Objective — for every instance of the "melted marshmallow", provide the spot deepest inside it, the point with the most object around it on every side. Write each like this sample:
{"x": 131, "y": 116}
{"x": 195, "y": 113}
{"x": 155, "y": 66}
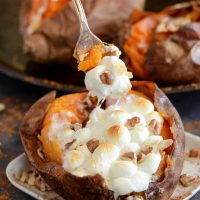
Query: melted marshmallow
{"x": 120, "y": 79}
{"x": 114, "y": 137}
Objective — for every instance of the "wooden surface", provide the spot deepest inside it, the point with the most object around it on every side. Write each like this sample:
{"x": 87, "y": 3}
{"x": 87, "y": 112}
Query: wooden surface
{"x": 18, "y": 96}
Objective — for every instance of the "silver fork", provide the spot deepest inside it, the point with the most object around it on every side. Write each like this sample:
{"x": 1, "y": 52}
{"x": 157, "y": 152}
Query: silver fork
{"x": 86, "y": 38}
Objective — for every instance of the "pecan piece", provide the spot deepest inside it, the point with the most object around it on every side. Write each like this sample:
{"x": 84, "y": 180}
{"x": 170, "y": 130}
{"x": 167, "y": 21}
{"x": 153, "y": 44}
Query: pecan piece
{"x": 139, "y": 156}
{"x": 69, "y": 144}
{"x": 153, "y": 124}
{"x": 92, "y": 145}
{"x": 194, "y": 153}
{"x": 110, "y": 53}
{"x": 187, "y": 180}
{"x": 147, "y": 150}
{"x": 133, "y": 121}
{"x": 129, "y": 155}
{"x": 106, "y": 78}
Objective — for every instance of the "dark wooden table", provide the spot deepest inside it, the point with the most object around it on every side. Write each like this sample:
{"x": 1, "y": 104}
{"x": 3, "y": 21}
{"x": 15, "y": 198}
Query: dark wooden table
{"x": 18, "y": 96}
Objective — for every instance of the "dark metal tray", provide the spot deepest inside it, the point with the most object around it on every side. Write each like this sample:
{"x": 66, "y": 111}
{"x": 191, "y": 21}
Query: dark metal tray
{"x": 61, "y": 77}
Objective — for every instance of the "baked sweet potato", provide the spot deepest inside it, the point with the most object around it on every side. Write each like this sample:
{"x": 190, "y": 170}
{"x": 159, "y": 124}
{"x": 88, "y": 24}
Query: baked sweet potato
{"x": 50, "y": 29}
{"x": 164, "y": 46}
{"x": 92, "y": 187}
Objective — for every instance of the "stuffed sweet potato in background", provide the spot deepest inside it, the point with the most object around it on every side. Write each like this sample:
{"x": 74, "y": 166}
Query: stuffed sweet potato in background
{"x": 164, "y": 46}
{"x": 91, "y": 187}
{"x": 50, "y": 28}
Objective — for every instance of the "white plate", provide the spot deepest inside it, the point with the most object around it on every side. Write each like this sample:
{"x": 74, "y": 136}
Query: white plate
{"x": 19, "y": 164}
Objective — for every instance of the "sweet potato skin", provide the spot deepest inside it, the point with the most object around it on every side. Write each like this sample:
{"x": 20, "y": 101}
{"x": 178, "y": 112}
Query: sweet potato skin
{"x": 92, "y": 187}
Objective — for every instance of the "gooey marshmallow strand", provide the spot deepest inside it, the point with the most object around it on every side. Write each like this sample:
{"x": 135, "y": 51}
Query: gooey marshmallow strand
{"x": 109, "y": 127}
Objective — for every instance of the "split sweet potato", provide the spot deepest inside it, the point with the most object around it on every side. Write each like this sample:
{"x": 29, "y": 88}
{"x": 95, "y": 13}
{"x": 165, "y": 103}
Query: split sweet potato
{"x": 54, "y": 32}
{"x": 92, "y": 187}
{"x": 164, "y": 46}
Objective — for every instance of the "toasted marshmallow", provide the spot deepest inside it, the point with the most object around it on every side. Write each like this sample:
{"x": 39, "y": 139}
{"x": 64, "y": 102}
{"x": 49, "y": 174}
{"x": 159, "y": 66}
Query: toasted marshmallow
{"x": 112, "y": 48}
{"x": 80, "y": 172}
{"x": 122, "y": 185}
{"x": 142, "y": 105}
{"x": 122, "y": 168}
{"x": 150, "y": 163}
{"x": 140, "y": 181}
{"x": 82, "y": 135}
{"x": 155, "y": 116}
{"x": 116, "y": 117}
{"x": 64, "y": 136}
{"x": 152, "y": 141}
{"x": 106, "y": 152}
{"x": 73, "y": 159}
{"x": 120, "y": 79}
{"x": 139, "y": 134}
{"x": 131, "y": 147}
{"x": 84, "y": 149}
{"x": 118, "y": 135}
{"x": 97, "y": 166}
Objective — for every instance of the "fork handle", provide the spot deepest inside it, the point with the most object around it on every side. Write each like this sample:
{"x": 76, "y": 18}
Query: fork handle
{"x": 81, "y": 15}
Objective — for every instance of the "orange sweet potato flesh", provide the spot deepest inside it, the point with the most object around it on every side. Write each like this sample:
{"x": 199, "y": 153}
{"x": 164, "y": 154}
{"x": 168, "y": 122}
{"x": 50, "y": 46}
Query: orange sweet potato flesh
{"x": 93, "y": 187}
{"x": 51, "y": 8}
{"x": 93, "y": 58}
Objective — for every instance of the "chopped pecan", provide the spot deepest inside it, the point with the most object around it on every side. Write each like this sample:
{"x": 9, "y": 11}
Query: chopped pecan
{"x": 106, "y": 78}
{"x": 187, "y": 180}
{"x": 69, "y": 144}
{"x": 137, "y": 197}
{"x": 92, "y": 145}
{"x": 153, "y": 124}
{"x": 110, "y": 53}
{"x": 194, "y": 153}
{"x": 129, "y": 155}
{"x": 133, "y": 121}
{"x": 139, "y": 156}
{"x": 147, "y": 150}
{"x": 2, "y": 107}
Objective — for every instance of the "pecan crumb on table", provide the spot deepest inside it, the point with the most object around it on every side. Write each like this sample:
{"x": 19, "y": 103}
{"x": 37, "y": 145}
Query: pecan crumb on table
{"x": 187, "y": 180}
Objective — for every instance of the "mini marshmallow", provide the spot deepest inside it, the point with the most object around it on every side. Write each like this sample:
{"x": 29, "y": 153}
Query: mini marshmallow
{"x": 152, "y": 141}
{"x": 122, "y": 185}
{"x": 150, "y": 163}
{"x": 80, "y": 172}
{"x": 106, "y": 152}
{"x": 142, "y": 106}
{"x": 139, "y": 134}
{"x": 114, "y": 64}
{"x": 131, "y": 147}
{"x": 117, "y": 117}
{"x": 97, "y": 166}
{"x": 120, "y": 79}
{"x": 140, "y": 181}
{"x": 73, "y": 159}
{"x": 122, "y": 168}
{"x": 84, "y": 149}
{"x": 159, "y": 119}
{"x": 154, "y": 115}
{"x": 118, "y": 135}
{"x": 64, "y": 136}
{"x": 82, "y": 135}
{"x": 112, "y": 48}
